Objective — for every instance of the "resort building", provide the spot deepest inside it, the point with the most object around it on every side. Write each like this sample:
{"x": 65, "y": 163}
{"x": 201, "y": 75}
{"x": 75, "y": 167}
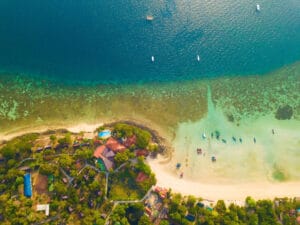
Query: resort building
{"x": 27, "y": 185}
{"x": 105, "y": 156}
{"x": 105, "y": 153}
{"x": 114, "y": 145}
{"x": 162, "y": 192}
{"x": 129, "y": 141}
{"x": 99, "y": 150}
{"x": 141, "y": 177}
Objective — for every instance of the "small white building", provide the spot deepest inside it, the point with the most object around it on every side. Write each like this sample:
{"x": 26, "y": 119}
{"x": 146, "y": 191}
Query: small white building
{"x": 44, "y": 207}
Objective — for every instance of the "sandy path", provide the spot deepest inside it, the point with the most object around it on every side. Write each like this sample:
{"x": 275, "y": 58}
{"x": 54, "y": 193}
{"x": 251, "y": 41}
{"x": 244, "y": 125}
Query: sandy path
{"x": 73, "y": 128}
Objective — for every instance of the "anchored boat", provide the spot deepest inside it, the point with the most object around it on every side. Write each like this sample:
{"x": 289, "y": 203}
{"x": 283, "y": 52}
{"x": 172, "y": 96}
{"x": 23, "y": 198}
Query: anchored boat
{"x": 257, "y": 7}
{"x": 149, "y": 18}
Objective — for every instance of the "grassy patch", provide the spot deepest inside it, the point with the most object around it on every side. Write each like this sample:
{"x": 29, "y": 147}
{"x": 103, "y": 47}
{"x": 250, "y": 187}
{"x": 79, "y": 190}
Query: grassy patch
{"x": 122, "y": 192}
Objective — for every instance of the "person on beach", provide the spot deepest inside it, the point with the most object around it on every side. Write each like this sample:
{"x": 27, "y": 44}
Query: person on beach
{"x": 181, "y": 175}
{"x": 273, "y": 132}
{"x": 254, "y": 140}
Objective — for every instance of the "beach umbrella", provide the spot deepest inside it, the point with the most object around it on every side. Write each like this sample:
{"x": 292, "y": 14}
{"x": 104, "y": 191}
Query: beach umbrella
{"x": 178, "y": 165}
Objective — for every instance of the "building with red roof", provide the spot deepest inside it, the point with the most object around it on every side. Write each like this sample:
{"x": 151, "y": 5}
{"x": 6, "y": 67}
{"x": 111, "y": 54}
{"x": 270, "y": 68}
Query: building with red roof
{"x": 141, "y": 177}
{"x": 99, "y": 150}
{"x": 161, "y": 191}
{"x": 141, "y": 152}
{"x": 130, "y": 141}
{"x": 114, "y": 145}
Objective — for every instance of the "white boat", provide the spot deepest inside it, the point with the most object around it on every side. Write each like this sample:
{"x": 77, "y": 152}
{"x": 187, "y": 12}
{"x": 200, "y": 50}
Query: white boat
{"x": 198, "y": 58}
{"x": 257, "y": 7}
{"x": 152, "y": 58}
{"x": 149, "y": 18}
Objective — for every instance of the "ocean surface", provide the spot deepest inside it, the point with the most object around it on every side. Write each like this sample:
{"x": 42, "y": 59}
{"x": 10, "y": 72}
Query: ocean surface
{"x": 112, "y": 42}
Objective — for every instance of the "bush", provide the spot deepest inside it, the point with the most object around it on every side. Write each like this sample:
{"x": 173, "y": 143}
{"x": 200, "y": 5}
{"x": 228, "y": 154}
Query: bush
{"x": 153, "y": 147}
{"x": 8, "y": 152}
{"x": 65, "y": 140}
{"x": 142, "y": 136}
{"x": 49, "y": 169}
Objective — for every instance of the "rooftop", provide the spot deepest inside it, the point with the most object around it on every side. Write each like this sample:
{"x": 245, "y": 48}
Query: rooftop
{"x": 44, "y": 207}
{"x": 99, "y": 150}
{"x": 141, "y": 177}
{"x": 114, "y": 145}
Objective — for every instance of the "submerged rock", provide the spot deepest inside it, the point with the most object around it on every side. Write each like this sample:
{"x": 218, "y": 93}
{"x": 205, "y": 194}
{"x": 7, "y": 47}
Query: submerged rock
{"x": 284, "y": 112}
{"x": 230, "y": 118}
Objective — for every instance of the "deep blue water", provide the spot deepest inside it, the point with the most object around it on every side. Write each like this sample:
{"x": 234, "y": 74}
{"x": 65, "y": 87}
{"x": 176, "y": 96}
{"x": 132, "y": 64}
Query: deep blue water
{"x": 111, "y": 41}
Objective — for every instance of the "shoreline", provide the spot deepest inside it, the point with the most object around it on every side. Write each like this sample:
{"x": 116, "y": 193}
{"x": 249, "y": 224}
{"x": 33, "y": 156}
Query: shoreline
{"x": 227, "y": 192}
{"x": 230, "y": 193}
{"x": 88, "y": 128}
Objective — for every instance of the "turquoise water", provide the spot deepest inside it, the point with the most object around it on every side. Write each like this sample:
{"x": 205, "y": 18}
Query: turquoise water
{"x": 111, "y": 41}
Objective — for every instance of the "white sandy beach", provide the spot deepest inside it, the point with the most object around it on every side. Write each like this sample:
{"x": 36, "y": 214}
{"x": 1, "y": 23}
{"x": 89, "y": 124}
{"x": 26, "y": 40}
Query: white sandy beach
{"x": 229, "y": 192}
{"x": 76, "y": 128}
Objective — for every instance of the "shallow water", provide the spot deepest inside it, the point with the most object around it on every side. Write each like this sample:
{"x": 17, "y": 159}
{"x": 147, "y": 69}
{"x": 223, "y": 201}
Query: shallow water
{"x": 246, "y": 153}
{"x": 183, "y": 111}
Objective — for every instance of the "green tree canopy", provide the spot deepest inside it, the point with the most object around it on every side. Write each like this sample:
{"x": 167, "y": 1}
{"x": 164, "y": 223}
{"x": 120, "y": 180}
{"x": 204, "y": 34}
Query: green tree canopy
{"x": 144, "y": 220}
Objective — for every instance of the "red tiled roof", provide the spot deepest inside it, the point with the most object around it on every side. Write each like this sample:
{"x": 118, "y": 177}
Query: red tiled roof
{"x": 130, "y": 141}
{"x": 142, "y": 152}
{"x": 114, "y": 145}
{"x": 148, "y": 211}
{"x": 141, "y": 177}
{"x": 98, "y": 151}
{"x": 161, "y": 191}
